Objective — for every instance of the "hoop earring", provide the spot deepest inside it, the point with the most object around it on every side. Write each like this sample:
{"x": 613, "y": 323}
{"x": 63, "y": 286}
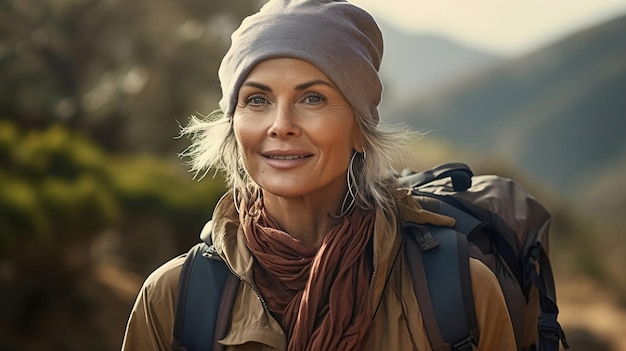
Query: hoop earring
{"x": 351, "y": 182}
{"x": 235, "y": 198}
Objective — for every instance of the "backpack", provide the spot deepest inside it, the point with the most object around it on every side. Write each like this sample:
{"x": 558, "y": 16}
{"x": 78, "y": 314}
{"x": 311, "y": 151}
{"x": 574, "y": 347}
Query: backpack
{"x": 497, "y": 221}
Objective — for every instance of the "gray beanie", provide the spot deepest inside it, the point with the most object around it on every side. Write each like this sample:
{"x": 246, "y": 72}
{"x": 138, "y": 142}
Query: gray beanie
{"x": 339, "y": 38}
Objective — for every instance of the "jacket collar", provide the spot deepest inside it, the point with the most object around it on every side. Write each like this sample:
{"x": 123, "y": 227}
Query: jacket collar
{"x": 229, "y": 240}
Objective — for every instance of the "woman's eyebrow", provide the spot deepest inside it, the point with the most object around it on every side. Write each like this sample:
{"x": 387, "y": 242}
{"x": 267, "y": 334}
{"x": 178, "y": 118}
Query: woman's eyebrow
{"x": 302, "y": 86}
{"x": 312, "y": 83}
{"x": 257, "y": 85}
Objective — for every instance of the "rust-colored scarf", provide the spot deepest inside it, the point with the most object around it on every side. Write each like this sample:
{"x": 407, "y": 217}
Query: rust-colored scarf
{"x": 319, "y": 295}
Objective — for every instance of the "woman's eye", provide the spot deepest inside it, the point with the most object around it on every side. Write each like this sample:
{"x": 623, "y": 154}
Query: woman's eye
{"x": 256, "y": 100}
{"x": 314, "y": 99}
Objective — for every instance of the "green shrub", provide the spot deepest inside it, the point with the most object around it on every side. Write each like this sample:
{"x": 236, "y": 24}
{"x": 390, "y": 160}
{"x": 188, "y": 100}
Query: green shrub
{"x": 56, "y": 186}
{"x": 21, "y": 217}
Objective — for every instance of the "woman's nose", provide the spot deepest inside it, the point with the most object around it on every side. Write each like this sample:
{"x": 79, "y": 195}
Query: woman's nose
{"x": 284, "y": 123}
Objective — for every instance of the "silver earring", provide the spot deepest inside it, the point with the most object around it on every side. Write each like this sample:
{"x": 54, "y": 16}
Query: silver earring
{"x": 235, "y": 198}
{"x": 350, "y": 181}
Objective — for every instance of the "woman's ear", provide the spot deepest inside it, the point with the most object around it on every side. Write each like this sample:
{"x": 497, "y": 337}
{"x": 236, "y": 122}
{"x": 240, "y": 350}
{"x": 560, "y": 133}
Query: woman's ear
{"x": 359, "y": 141}
{"x": 358, "y": 136}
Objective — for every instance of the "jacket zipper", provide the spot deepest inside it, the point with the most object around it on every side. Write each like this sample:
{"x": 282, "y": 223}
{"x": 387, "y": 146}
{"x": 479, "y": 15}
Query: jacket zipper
{"x": 257, "y": 293}
{"x": 252, "y": 287}
{"x": 213, "y": 254}
{"x": 371, "y": 285}
{"x": 391, "y": 268}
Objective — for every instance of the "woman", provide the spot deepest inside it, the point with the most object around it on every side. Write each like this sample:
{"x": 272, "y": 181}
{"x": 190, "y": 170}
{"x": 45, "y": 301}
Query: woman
{"x": 312, "y": 223}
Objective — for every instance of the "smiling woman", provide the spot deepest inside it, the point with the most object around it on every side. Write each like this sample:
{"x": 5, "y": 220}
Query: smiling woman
{"x": 312, "y": 225}
{"x": 296, "y": 134}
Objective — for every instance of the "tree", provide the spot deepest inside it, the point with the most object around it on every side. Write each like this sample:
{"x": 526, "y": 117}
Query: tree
{"x": 124, "y": 72}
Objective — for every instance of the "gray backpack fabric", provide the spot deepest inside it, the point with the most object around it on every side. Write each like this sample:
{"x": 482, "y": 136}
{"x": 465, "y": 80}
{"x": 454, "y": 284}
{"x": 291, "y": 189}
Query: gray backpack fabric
{"x": 508, "y": 230}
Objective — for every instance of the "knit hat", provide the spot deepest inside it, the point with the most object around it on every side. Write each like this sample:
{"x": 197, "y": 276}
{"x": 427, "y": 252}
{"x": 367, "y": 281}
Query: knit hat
{"x": 339, "y": 38}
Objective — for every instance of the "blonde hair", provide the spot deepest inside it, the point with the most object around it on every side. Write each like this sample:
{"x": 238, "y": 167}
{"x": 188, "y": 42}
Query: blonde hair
{"x": 214, "y": 147}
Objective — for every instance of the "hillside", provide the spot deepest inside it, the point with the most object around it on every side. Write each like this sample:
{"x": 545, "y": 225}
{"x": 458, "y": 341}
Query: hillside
{"x": 558, "y": 113}
{"x": 415, "y": 64}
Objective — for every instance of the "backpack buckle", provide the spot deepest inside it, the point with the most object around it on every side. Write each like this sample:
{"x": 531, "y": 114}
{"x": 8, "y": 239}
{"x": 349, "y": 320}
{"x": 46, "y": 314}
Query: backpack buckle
{"x": 550, "y": 329}
{"x": 211, "y": 253}
{"x": 429, "y": 243}
{"x": 464, "y": 345}
{"x": 423, "y": 236}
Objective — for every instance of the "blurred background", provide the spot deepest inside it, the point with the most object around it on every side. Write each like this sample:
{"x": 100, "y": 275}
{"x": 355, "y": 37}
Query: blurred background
{"x": 93, "y": 196}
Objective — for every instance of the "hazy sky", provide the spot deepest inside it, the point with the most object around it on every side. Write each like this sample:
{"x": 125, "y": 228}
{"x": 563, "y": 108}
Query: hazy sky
{"x": 508, "y": 27}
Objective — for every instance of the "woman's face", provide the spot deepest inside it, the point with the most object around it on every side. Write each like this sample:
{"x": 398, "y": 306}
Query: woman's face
{"x": 295, "y": 130}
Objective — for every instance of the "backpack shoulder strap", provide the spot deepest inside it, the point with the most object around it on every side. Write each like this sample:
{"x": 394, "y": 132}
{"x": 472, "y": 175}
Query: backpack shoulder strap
{"x": 440, "y": 271}
{"x": 206, "y": 293}
{"x": 441, "y": 280}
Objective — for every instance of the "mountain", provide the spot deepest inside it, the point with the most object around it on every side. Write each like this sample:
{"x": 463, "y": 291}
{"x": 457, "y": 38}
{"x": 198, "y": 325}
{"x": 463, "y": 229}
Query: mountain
{"x": 560, "y": 112}
{"x": 415, "y": 64}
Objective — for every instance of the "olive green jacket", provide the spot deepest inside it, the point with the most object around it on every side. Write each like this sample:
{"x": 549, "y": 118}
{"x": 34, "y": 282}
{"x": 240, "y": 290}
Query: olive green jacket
{"x": 397, "y": 324}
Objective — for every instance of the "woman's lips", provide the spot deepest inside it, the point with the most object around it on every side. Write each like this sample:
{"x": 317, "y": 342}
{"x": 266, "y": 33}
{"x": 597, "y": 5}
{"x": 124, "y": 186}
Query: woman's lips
{"x": 285, "y": 159}
{"x": 289, "y": 157}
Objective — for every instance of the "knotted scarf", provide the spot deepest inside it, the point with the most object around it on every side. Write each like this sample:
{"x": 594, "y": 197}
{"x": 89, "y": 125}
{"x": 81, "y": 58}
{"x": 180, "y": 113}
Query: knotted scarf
{"x": 319, "y": 295}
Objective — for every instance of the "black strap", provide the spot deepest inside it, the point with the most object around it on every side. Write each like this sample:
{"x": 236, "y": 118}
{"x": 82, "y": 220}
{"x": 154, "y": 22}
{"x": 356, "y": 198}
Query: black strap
{"x": 420, "y": 283}
{"x": 460, "y": 174}
{"x": 207, "y": 291}
{"x": 550, "y": 331}
{"x": 225, "y": 311}
{"x": 447, "y": 305}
